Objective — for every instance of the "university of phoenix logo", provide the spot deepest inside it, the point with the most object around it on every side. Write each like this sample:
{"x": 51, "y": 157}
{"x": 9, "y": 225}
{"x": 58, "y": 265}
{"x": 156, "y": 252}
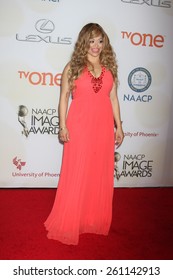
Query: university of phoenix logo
{"x": 18, "y": 163}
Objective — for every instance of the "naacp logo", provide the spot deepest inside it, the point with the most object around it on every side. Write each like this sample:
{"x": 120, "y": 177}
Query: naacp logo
{"x": 44, "y": 26}
{"x": 139, "y": 79}
{"x": 117, "y": 157}
{"x": 135, "y": 166}
{"x": 44, "y": 121}
{"x": 22, "y": 113}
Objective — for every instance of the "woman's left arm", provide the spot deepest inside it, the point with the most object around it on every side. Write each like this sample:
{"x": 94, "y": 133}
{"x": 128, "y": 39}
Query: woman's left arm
{"x": 119, "y": 135}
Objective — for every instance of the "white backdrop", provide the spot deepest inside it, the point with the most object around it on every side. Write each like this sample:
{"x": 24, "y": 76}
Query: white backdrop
{"x": 36, "y": 40}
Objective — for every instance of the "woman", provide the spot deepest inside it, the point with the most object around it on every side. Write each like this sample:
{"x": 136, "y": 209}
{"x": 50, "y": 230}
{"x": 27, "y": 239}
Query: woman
{"x": 83, "y": 202}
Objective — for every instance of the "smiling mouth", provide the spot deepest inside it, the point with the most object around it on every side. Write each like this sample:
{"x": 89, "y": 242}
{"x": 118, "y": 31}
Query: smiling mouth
{"x": 95, "y": 50}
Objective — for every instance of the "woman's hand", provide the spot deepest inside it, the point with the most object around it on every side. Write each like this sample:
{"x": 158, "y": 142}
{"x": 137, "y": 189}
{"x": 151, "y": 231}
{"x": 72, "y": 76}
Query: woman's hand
{"x": 119, "y": 136}
{"x": 64, "y": 134}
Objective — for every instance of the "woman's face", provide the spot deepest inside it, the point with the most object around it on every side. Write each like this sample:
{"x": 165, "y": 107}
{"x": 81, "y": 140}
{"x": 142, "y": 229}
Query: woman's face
{"x": 95, "y": 46}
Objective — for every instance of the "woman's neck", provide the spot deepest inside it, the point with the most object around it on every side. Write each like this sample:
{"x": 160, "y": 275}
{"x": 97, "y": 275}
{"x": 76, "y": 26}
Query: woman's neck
{"x": 95, "y": 61}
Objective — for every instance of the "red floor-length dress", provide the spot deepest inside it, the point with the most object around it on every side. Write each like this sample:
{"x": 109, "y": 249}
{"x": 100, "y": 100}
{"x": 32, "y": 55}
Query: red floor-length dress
{"x": 83, "y": 202}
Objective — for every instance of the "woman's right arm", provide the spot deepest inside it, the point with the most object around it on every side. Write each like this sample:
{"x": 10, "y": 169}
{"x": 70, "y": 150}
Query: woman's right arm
{"x": 63, "y": 105}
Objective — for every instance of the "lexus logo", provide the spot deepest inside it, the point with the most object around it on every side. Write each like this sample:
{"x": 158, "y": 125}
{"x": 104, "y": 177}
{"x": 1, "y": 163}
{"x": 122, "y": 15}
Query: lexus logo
{"x": 45, "y": 26}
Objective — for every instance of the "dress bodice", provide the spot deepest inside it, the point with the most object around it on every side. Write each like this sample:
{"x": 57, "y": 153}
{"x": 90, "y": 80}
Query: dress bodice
{"x": 88, "y": 84}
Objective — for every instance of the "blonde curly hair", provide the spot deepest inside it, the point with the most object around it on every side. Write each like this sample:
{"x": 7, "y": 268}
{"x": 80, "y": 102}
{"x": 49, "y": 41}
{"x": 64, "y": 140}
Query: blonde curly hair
{"x": 79, "y": 56}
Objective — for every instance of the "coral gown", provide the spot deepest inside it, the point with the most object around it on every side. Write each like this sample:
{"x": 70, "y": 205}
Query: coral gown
{"x": 83, "y": 202}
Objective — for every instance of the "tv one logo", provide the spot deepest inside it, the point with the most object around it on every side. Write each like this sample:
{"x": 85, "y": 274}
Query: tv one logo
{"x": 145, "y": 40}
{"x": 43, "y": 79}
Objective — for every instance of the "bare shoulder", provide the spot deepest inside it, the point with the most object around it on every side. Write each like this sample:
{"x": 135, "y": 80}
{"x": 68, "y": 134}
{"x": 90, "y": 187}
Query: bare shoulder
{"x": 66, "y": 69}
{"x": 65, "y": 79}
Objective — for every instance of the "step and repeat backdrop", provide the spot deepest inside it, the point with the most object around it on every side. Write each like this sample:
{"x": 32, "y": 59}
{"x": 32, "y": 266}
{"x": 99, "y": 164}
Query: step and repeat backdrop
{"x": 36, "y": 41}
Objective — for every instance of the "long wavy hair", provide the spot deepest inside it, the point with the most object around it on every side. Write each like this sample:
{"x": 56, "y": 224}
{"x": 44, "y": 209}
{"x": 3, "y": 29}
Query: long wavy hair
{"x": 79, "y": 56}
